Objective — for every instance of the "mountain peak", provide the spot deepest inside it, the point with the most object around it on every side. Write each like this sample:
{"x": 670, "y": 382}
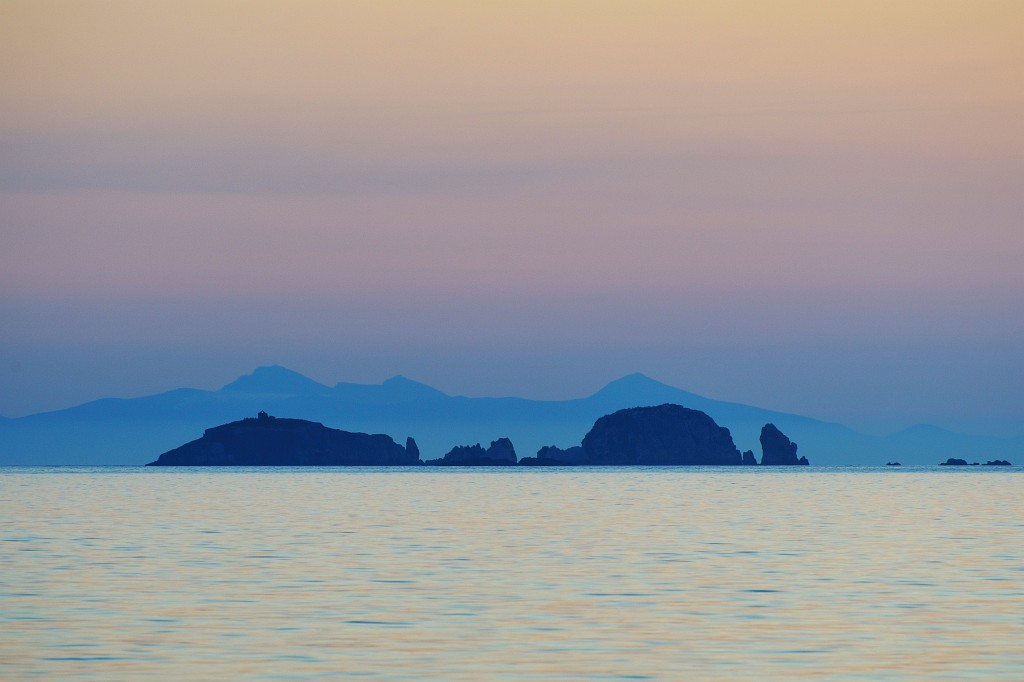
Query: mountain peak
{"x": 639, "y": 389}
{"x": 275, "y": 379}
{"x": 635, "y": 382}
{"x": 634, "y": 379}
{"x": 403, "y": 384}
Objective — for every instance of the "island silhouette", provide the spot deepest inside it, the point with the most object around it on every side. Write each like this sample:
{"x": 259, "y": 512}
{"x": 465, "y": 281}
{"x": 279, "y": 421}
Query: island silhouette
{"x": 665, "y": 434}
{"x": 131, "y": 431}
{"x": 264, "y": 440}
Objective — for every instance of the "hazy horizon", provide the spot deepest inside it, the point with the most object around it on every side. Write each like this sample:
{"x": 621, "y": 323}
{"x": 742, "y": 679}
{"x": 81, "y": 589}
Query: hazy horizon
{"x": 869, "y": 429}
{"x": 809, "y": 207}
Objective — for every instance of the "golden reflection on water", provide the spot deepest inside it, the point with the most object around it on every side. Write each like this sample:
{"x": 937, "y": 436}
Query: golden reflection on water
{"x": 537, "y": 574}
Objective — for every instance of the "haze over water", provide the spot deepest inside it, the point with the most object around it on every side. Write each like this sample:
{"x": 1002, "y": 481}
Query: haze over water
{"x": 809, "y": 206}
{"x": 639, "y": 573}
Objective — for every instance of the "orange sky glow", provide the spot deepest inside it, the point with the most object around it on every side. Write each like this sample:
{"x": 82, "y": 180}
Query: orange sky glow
{"x": 762, "y": 170}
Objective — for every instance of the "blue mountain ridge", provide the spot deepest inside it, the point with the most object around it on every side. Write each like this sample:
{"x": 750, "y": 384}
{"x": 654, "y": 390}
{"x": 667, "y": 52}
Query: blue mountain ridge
{"x": 136, "y": 430}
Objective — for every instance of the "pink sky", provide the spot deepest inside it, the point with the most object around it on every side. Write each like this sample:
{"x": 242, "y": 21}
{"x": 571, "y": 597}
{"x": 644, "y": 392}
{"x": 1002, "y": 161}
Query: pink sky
{"x": 808, "y": 206}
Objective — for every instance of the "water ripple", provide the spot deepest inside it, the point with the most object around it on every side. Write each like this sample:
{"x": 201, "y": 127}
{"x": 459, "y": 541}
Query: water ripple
{"x": 573, "y": 574}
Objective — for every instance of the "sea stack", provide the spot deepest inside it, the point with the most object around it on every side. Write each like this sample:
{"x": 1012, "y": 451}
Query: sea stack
{"x": 777, "y": 449}
{"x": 500, "y": 453}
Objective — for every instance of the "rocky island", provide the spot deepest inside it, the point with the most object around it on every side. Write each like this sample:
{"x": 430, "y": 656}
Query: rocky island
{"x": 777, "y": 449}
{"x": 268, "y": 441}
{"x": 665, "y": 435}
{"x": 500, "y": 453}
{"x": 956, "y": 462}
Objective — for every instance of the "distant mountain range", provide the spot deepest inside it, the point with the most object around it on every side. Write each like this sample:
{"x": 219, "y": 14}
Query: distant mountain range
{"x": 136, "y": 430}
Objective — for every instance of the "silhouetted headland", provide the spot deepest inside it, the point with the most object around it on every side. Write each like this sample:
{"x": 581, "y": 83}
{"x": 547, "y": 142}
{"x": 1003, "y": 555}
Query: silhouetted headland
{"x": 268, "y": 441}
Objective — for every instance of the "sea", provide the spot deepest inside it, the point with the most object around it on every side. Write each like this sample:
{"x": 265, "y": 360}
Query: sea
{"x": 656, "y": 573}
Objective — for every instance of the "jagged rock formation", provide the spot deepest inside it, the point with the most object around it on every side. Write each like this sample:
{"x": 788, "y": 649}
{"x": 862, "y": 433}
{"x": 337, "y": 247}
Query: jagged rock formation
{"x": 500, "y": 453}
{"x": 893, "y": 464}
{"x": 749, "y": 459}
{"x": 502, "y": 450}
{"x": 777, "y": 449}
{"x": 269, "y": 441}
{"x": 551, "y": 455}
{"x": 667, "y": 434}
{"x": 997, "y": 463}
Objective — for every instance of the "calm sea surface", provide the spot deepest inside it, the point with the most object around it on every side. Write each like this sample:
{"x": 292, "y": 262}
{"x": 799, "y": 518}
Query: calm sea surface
{"x": 595, "y": 574}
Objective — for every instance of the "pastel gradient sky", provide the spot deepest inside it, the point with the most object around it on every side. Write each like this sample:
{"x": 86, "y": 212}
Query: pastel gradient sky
{"x": 811, "y": 206}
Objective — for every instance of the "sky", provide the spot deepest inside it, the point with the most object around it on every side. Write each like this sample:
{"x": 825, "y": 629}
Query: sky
{"x": 809, "y": 206}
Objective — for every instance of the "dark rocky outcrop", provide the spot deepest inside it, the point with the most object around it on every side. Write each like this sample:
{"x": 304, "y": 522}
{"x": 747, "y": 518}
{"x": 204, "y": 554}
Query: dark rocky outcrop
{"x": 269, "y": 441}
{"x": 955, "y": 462}
{"x": 893, "y": 464}
{"x": 663, "y": 435}
{"x": 571, "y": 455}
{"x": 502, "y": 450}
{"x": 749, "y": 459}
{"x": 777, "y": 449}
{"x": 551, "y": 455}
{"x": 542, "y": 462}
{"x": 666, "y": 434}
{"x": 500, "y": 453}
